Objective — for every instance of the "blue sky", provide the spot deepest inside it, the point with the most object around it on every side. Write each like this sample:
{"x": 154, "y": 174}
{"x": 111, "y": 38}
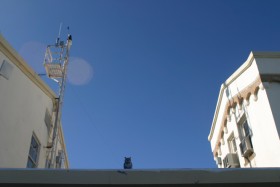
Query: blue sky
{"x": 144, "y": 76}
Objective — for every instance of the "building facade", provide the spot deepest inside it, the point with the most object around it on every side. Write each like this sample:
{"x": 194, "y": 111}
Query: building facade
{"x": 246, "y": 124}
{"x": 27, "y": 113}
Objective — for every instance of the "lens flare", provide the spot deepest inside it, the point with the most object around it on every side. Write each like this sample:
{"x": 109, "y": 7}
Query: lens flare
{"x": 33, "y": 53}
{"x": 80, "y": 71}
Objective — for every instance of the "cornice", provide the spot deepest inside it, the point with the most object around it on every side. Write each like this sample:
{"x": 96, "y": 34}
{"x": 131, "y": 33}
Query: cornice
{"x": 244, "y": 96}
{"x": 237, "y": 100}
{"x": 233, "y": 77}
{"x": 15, "y": 58}
{"x": 237, "y": 73}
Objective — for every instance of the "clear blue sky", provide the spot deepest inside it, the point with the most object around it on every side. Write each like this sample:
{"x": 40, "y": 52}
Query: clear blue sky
{"x": 145, "y": 74}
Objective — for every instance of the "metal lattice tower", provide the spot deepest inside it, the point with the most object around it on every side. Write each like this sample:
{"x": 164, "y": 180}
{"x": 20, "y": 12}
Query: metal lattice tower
{"x": 56, "y": 63}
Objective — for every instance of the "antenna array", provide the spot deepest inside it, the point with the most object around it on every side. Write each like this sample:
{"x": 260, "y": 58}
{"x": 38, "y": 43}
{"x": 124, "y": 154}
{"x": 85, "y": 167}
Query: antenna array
{"x": 56, "y": 62}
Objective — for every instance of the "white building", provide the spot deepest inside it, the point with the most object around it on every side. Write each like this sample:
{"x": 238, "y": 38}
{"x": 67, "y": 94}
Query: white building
{"x": 246, "y": 125}
{"x": 27, "y": 112}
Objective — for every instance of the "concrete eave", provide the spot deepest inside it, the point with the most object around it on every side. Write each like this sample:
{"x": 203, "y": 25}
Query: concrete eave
{"x": 18, "y": 61}
{"x": 234, "y": 76}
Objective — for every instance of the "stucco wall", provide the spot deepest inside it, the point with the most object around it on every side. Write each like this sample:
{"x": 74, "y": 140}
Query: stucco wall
{"x": 24, "y": 99}
{"x": 231, "y": 89}
{"x": 22, "y": 113}
{"x": 273, "y": 92}
{"x": 272, "y": 66}
{"x": 265, "y": 138}
{"x": 261, "y": 110}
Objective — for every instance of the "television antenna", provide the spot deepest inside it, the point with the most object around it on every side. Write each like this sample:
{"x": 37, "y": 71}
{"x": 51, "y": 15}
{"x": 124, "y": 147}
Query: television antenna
{"x": 56, "y": 62}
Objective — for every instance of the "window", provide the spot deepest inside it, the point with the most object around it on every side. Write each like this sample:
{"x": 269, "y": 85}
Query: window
{"x": 48, "y": 163}
{"x": 33, "y": 153}
{"x": 232, "y": 144}
{"x": 246, "y": 146}
{"x": 218, "y": 161}
{"x": 225, "y": 129}
{"x": 222, "y": 138}
{"x": 219, "y": 150}
{"x": 244, "y": 129}
{"x": 60, "y": 159}
{"x": 6, "y": 69}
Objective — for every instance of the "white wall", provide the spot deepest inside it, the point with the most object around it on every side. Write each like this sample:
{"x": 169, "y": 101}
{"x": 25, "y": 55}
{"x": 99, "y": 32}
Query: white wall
{"x": 22, "y": 113}
{"x": 262, "y": 113}
{"x": 265, "y": 137}
{"x": 232, "y": 89}
{"x": 273, "y": 92}
{"x": 272, "y": 66}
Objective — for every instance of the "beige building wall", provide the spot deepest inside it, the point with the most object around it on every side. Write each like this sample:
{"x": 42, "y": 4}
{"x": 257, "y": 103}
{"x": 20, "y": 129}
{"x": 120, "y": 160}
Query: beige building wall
{"x": 24, "y": 100}
{"x": 251, "y": 93}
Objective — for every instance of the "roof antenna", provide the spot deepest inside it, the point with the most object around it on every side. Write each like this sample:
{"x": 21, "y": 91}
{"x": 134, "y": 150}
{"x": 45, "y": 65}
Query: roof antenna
{"x": 55, "y": 62}
{"x": 58, "y": 37}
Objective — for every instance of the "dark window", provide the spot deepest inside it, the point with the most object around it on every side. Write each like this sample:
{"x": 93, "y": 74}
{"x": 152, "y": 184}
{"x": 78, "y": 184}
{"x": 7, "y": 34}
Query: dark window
{"x": 60, "y": 160}
{"x": 33, "y": 153}
{"x": 246, "y": 128}
{"x": 6, "y": 69}
{"x": 232, "y": 144}
{"x": 245, "y": 145}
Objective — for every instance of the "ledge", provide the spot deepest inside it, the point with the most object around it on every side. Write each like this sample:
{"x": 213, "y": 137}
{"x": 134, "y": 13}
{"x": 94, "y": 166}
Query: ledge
{"x": 167, "y": 177}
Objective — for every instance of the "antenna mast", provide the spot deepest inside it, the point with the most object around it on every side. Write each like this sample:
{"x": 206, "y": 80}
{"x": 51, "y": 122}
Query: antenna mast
{"x": 56, "y": 63}
{"x": 58, "y": 37}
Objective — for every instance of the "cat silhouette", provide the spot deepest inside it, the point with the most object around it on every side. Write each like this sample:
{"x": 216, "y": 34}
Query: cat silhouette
{"x": 127, "y": 163}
